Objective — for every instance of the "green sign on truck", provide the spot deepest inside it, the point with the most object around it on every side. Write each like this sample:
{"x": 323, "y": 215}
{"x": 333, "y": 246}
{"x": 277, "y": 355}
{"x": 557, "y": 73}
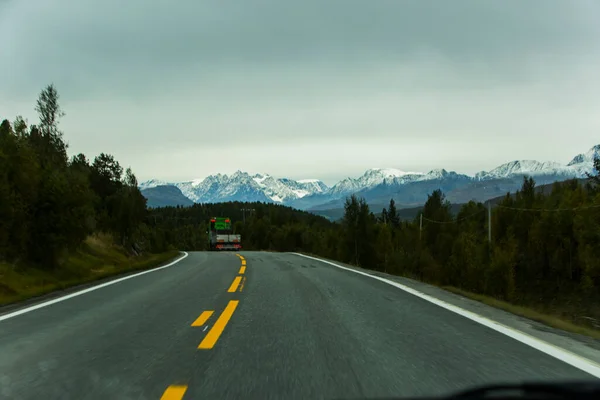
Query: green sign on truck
{"x": 221, "y": 236}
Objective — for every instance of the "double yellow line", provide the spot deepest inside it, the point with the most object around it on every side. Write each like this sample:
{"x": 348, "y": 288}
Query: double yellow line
{"x": 239, "y": 279}
{"x": 217, "y": 329}
{"x": 176, "y": 392}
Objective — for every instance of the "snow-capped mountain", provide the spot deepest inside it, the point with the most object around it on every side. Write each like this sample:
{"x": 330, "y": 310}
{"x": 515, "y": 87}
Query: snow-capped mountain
{"x": 372, "y": 177}
{"x": 152, "y": 183}
{"x": 241, "y": 186}
{"x": 377, "y": 183}
{"x": 588, "y": 157}
{"x": 528, "y": 167}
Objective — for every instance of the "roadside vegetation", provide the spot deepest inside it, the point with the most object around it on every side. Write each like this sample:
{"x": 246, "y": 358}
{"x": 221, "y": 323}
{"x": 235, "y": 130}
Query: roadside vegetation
{"x": 543, "y": 261}
{"x": 65, "y": 221}
{"x": 98, "y": 257}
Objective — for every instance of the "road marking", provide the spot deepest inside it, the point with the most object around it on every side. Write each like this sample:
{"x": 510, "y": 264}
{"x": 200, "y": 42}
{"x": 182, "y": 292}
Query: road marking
{"x": 201, "y": 320}
{"x": 205, "y": 328}
{"x": 234, "y": 284}
{"x": 242, "y": 269}
{"x": 563, "y": 355}
{"x": 174, "y": 392}
{"x": 91, "y": 289}
{"x": 215, "y": 332}
{"x": 243, "y": 282}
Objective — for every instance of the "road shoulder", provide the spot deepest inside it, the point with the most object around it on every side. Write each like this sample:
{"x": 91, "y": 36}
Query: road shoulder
{"x": 582, "y": 346}
{"x": 86, "y": 286}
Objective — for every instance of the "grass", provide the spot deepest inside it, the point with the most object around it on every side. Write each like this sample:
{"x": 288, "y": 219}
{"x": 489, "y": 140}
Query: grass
{"x": 530, "y": 313}
{"x": 97, "y": 258}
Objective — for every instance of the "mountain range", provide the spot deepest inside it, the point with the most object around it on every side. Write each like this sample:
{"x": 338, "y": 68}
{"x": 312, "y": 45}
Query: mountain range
{"x": 376, "y": 185}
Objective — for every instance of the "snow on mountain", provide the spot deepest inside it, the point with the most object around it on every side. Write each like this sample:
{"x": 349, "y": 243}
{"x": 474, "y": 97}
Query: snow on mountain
{"x": 519, "y": 167}
{"x": 152, "y": 183}
{"x": 308, "y": 180}
{"x": 439, "y": 174}
{"x": 576, "y": 168}
{"x": 588, "y": 157}
{"x": 435, "y": 174}
{"x": 279, "y": 190}
{"x": 372, "y": 177}
{"x": 312, "y": 186}
{"x": 305, "y": 193}
{"x": 220, "y": 187}
{"x": 245, "y": 187}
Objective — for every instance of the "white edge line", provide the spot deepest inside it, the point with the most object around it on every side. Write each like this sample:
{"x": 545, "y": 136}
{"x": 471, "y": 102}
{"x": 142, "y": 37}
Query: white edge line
{"x": 91, "y": 289}
{"x": 566, "y": 356}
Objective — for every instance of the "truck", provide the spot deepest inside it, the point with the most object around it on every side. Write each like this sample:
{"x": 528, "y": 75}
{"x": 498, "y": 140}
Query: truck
{"x": 221, "y": 236}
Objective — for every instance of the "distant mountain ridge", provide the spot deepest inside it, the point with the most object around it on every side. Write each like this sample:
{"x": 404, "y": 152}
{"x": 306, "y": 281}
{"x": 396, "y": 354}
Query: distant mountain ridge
{"x": 165, "y": 195}
{"x": 376, "y": 185}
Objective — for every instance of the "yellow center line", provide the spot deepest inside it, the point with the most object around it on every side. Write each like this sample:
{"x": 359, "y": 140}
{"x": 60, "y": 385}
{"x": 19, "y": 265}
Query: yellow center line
{"x": 215, "y": 332}
{"x": 242, "y": 269}
{"x": 243, "y": 282}
{"x": 234, "y": 284}
{"x": 201, "y": 320}
{"x": 243, "y": 262}
{"x": 174, "y": 392}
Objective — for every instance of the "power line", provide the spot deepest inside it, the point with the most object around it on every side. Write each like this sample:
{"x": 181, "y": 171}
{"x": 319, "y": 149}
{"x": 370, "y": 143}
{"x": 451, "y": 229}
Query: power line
{"x": 550, "y": 209}
{"x": 456, "y": 220}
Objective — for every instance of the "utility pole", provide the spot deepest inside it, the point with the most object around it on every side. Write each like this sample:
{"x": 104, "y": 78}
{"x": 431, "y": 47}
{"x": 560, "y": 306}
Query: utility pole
{"x": 490, "y": 222}
{"x": 421, "y": 226}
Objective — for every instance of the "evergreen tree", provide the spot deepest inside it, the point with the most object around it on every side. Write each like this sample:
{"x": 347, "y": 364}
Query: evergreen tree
{"x": 595, "y": 176}
{"x": 392, "y": 213}
{"x": 384, "y": 216}
{"x": 46, "y": 137}
{"x": 20, "y": 126}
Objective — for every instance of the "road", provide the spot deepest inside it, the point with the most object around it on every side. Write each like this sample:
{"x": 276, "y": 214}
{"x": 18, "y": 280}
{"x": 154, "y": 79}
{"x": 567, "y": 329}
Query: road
{"x": 291, "y": 327}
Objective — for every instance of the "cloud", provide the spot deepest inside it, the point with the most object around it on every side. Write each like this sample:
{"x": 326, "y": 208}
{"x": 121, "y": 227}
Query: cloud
{"x": 309, "y": 88}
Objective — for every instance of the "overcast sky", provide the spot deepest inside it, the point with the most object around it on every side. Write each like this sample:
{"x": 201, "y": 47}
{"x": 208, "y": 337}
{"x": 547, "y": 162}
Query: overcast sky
{"x": 311, "y": 88}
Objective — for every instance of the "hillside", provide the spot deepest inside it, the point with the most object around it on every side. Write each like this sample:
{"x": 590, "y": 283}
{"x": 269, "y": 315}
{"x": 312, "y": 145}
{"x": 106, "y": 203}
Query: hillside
{"x": 456, "y": 198}
{"x": 98, "y": 257}
{"x": 165, "y": 195}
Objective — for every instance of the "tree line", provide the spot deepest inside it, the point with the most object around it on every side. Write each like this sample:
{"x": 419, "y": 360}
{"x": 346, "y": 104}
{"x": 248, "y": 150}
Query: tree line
{"x": 545, "y": 247}
{"x": 263, "y": 226}
{"x": 49, "y": 203}
{"x": 544, "y": 252}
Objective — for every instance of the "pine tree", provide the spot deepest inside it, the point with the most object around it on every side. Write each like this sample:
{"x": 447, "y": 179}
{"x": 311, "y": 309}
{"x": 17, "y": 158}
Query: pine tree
{"x": 47, "y": 138}
{"x": 595, "y": 177}
{"x": 351, "y": 229}
{"x": 393, "y": 214}
{"x": 384, "y": 216}
{"x": 20, "y": 126}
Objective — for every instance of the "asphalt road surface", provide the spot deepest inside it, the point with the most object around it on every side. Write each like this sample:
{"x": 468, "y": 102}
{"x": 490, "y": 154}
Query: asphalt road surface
{"x": 259, "y": 325}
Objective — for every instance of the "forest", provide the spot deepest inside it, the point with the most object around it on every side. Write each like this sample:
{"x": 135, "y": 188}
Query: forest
{"x": 544, "y": 251}
{"x": 49, "y": 204}
{"x": 540, "y": 250}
